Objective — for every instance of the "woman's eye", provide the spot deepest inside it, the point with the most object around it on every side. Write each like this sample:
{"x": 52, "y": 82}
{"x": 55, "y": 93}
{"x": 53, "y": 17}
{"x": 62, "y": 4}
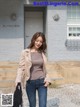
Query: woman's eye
{"x": 38, "y": 41}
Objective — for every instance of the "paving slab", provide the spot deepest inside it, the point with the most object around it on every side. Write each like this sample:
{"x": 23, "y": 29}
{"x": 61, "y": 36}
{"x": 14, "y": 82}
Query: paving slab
{"x": 67, "y": 95}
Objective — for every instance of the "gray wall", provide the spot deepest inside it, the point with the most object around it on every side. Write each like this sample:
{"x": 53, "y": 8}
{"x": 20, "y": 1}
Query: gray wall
{"x": 57, "y": 35}
{"x": 11, "y": 32}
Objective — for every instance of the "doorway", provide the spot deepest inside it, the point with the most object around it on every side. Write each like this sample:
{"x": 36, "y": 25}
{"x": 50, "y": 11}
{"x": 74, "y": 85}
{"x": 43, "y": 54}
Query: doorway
{"x": 33, "y": 22}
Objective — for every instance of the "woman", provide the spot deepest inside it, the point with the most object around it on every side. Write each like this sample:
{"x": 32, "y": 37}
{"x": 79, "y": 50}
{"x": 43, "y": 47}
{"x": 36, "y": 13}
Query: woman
{"x": 32, "y": 70}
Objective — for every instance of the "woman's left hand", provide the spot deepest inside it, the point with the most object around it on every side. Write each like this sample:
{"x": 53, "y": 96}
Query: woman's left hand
{"x": 46, "y": 84}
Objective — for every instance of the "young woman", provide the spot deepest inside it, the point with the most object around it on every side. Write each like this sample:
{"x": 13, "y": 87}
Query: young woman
{"x": 32, "y": 70}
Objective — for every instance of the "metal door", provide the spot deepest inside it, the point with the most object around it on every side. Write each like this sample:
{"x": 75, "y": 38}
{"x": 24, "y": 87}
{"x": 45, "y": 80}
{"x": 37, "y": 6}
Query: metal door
{"x": 33, "y": 23}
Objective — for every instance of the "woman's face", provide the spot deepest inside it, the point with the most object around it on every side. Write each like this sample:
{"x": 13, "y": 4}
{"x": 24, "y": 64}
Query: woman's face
{"x": 38, "y": 42}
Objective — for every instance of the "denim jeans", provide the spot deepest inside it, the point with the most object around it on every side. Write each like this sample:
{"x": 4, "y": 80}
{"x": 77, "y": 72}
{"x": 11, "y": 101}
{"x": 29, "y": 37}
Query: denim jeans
{"x": 31, "y": 87}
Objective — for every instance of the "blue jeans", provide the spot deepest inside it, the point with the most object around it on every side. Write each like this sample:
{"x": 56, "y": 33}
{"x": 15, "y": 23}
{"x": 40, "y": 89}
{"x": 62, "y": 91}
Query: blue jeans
{"x": 31, "y": 87}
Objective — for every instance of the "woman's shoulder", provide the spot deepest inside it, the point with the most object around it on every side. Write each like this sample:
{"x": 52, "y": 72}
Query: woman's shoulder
{"x": 26, "y": 50}
{"x": 44, "y": 56}
{"x": 44, "y": 53}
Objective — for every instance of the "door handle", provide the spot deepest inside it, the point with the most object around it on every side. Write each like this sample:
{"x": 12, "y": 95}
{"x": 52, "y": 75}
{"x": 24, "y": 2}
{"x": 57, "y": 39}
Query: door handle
{"x": 27, "y": 36}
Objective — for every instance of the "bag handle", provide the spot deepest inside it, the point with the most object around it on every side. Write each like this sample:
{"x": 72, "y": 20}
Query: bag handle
{"x": 18, "y": 86}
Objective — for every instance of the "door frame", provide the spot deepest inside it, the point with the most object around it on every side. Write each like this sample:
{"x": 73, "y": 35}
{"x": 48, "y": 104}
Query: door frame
{"x": 37, "y": 9}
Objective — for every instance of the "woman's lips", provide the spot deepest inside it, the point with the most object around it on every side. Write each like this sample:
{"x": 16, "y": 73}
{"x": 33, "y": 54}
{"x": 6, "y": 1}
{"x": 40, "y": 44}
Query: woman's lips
{"x": 38, "y": 46}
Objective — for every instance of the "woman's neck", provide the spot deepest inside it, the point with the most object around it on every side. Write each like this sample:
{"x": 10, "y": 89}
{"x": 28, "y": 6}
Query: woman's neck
{"x": 34, "y": 50}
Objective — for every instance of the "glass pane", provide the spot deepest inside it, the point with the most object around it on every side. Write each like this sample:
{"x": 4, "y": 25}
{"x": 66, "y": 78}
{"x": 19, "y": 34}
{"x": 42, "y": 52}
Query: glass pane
{"x": 78, "y": 34}
{"x": 78, "y": 29}
{"x": 73, "y": 8}
{"x": 70, "y": 29}
{"x": 74, "y": 34}
{"x": 68, "y": 7}
{"x": 78, "y": 8}
{"x": 78, "y": 20}
{"x": 74, "y": 28}
{"x": 70, "y": 34}
{"x": 69, "y": 15}
{"x": 73, "y": 15}
{"x": 72, "y": 21}
{"x": 78, "y": 14}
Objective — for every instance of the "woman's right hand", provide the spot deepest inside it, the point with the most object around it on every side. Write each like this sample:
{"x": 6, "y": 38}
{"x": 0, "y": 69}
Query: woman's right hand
{"x": 16, "y": 84}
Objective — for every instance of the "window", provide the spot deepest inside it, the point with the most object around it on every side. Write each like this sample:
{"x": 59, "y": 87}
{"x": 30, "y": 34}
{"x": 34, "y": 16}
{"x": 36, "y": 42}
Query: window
{"x": 73, "y": 22}
{"x": 73, "y": 31}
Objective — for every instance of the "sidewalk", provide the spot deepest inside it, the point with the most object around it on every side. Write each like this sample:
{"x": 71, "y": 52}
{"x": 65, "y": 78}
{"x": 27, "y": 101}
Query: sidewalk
{"x": 64, "y": 96}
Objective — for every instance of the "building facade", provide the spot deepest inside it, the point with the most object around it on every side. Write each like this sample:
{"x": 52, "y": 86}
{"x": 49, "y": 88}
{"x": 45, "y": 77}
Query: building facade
{"x": 20, "y": 19}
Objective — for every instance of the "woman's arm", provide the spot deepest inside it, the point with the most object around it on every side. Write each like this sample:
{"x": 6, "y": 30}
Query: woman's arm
{"x": 21, "y": 68}
{"x": 47, "y": 78}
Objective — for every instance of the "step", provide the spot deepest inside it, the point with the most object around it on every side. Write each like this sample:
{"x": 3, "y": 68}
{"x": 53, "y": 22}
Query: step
{"x": 7, "y": 83}
{"x": 8, "y": 63}
{"x": 8, "y": 66}
{"x": 67, "y": 71}
{"x": 7, "y": 75}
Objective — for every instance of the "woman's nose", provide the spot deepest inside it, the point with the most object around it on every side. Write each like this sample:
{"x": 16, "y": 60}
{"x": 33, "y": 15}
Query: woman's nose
{"x": 38, "y": 42}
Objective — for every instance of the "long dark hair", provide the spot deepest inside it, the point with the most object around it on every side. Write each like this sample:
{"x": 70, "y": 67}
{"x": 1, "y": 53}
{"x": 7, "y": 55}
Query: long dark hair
{"x": 35, "y": 36}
